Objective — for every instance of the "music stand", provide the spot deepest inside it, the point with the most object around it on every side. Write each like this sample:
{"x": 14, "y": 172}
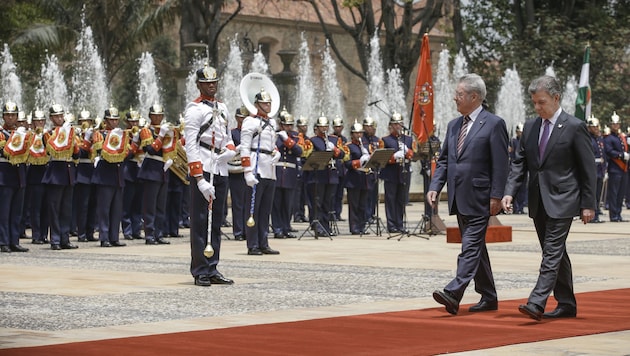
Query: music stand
{"x": 378, "y": 159}
{"x": 317, "y": 161}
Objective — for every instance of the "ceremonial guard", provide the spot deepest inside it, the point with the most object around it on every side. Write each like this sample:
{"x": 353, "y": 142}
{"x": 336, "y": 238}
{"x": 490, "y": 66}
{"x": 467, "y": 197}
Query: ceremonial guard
{"x": 236, "y": 179}
{"x": 396, "y": 174}
{"x": 63, "y": 146}
{"x": 357, "y": 182}
{"x": 322, "y": 184}
{"x": 341, "y": 170}
{"x": 597, "y": 142}
{"x": 301, "y": 196}
{"x": 84, "y": 206}
{"x": 427, "y": 163}
{"x": 158, "y": 143}
{"x": 14, "y": 150}
{"x": 372, "y": 141}
{"x": 290, "y": 150}
{"x": 37, "y": 160}
{"x": 112, "y": 147}
{"x": 258, "y": 156}
{"x": 616, "y": 149}
{"x": 131, "y": 222}
{"x": 209, "y": 147}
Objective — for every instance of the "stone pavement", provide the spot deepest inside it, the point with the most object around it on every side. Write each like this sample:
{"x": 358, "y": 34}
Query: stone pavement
{"x": 49, "y": 297}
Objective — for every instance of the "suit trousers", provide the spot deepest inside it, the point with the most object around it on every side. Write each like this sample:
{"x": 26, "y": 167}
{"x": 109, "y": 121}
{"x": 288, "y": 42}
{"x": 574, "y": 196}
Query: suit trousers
{"x": 238, "y": 187}
{"x": 109, "y": 212}
{"x": 39, "y": 213}
{"x": 555, "y": 269}
{"x": 473, "y": 263}
{"x": 85, "y": 209}
{"x": 281, "y": 212}
{"x": 12, "y": 200}
{"x": 132, "y": 208}
{"x": 395, "y": 200}
{"x": 154, "y": 208}
{"x": 357, "y": 204}
{"x": 59, "y": 212}
{"x": 616, "y": 191}
{"x": 257, "y": 234}
{"x": 201, "y": 265}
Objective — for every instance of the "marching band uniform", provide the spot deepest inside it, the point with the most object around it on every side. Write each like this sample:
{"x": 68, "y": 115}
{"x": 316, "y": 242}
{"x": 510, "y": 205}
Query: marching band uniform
{"x": 158, "y": 144}
{"x": 63, "y": 147}
{"x": 84, "y": 191}
{"x": 238, "y": 188}
{"x": 373, "y": 142}
{"x": 290, "y": 150}
{"x": 174, "y": 199}
{"x": 131, "y": 221}
{"x": 209, "y": 147}
{"x": 341, "y": 170}
{"x": 357, "y": 182}
{"x": 425, "y": 162}
{"x": 14, "y": 145}
{"x": 301, "y": 196}
{"x": 396, "y": 175}
{"x": 112, "y": 146}
{"x": 258, "y": 156}
{"x": 597, "y": 142}
{"x": 37, "y": 160}
{"x": 616, "y": 149}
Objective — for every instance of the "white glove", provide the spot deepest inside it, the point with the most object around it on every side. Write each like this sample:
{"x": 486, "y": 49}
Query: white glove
{"x": 21, "y": 130}
{"x": 206, "y": 189}
{"x": 364, "y": 159}
{"x": 276, "y": 156}
{"x": 626, "y": 156}
{"x": 66, "y": 125}
{"x": 88, "y": 134}
{"x": 283, "y": 135}
{"x": 96, "y": 160}
{"x": 165, "y": 129}
{"x": 117, "y": 131}
{"x": 167, "y": 164}
{"x": 136, "y": 137}
{"x": 329, "y": 146}
{"x": 250, "y": 179}
{"x": 399, "y": 155}
{"x": 226, "y": 156}
{"x": 401, "y": 145}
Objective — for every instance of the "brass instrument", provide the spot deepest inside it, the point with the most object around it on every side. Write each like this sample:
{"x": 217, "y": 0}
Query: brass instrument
{"x": 180, "y": 164}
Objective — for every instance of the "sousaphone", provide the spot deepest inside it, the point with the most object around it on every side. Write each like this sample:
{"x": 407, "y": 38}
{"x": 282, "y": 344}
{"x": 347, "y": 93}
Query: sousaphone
{"x": 251, "y": 84}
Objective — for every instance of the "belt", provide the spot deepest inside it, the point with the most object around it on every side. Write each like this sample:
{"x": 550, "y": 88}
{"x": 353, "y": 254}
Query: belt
{"x": 157, "y": 158}
{"x": 2, "y": 159}
{"x": 267, "y": 152}
{"x": 286, "y": 164}
{"x": 599, "y": 160}
{"x": 61, "y": 159}
{"x": 85, "y": 160}
{"x": 209, "y": 147}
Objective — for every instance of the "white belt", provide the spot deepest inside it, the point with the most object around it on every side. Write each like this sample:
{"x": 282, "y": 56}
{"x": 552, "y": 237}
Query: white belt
{"x": 157, "y": 158}
{"x": 85, "y": 160}
{"x": 61, "y": 159}
{"x": 599, "y": 160}
{"x": 364, "y": 170}
{"x": 286, "y": 164}
{"x": 2, "y": 159}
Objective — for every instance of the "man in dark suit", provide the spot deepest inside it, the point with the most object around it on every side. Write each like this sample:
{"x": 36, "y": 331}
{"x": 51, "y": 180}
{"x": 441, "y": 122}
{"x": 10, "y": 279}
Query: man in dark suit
{"x": 556, "y": 152}
{"x": 474, "y": 162}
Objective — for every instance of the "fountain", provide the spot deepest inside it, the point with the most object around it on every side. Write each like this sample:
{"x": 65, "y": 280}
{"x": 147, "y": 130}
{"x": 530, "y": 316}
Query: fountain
{"x": 229, "y": 86}
{"x": 510, "y": 105}
{"x": 444, "y": 108}
{"x": 89, "y": 81}
{"x": 10, "y": 84}
{"x": 570, "y": 95}
{"x": 259, "y": 64}
{"x": 148, "y": 84}
{"x": 376, "y": 83}
{"x": 52, "y": 86}
{"x": 459, "y": 68}
{"x": 305, "y": 94}
{"x": 550, "y": 71}
{"x": 191, "y": 80}
{"x": 332, "y": 97}
{"x": 394, "y": 92}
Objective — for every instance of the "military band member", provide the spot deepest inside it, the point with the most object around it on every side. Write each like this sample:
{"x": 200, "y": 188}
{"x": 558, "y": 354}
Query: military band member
{"x": 131, "y": 222}
{"x": 341, "y": 170}
{"x": 301, "y": 196}
{"x": 63, "y": 147}
{"x": 373, "y": 142}
{"x": 597, "y": 142}
{"x": 158, "y": 144}
{"x": 14, "y": 145}
{"x": 37, "y": 160}
{"x": 358, "y": 182}
{"x": 258, "y": 156}
{"x": 396, "y": 174}
{"x": 112, "y": 147}
{"x": 236, "y": 179}
{"x": 209, "y": 147}
{"x": 290, "y": 150}
{"x": 616, "y": 149}
{"x": 84, "y": 206}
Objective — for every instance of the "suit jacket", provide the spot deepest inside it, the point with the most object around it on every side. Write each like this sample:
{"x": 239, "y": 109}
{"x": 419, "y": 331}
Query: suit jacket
{"x": 564, "y": 181}
{"x": 480, "y": 171}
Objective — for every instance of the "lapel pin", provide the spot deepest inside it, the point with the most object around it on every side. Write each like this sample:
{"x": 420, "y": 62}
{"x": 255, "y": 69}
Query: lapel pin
{"x": 560, "y": 126}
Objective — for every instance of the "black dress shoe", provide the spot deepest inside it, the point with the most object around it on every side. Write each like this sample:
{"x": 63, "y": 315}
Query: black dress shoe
{"x": 356, "y": 233}
{"x": 82, "y": 239}
{"x": 55, "y": 247}
{"x": 446, "y": 299}
{"x": 37, "y": 242}
{"x": 73, "y": 233}
{"x": 562, "y": 311}
{"x": 484, "y": 305}
{"x": 18, "y": 248}
{"x": 137, "y": 237}
{"x": 531, "y": 310}
{"x": 91, "y": 238}
{"x": 106, "y": 244}
{"x": 239, "y": 237}
{"x": 289, "y": 235}
{"x": 5, "y": 248}
{"x": 150, "y": 242}
{"x": 219, "y": 279}
{"x": 278, "y": 236}
{"x": 176, "y": 235}
{"x": 68, "y": 246}
{"x": 161, "y": 241}
{"x": 203, "y": 281}
{"x": 269, "y": 251}
{"x": 128, "y": 237}
{"x": 254, "y": 252}
{"x": 118, "y": 244}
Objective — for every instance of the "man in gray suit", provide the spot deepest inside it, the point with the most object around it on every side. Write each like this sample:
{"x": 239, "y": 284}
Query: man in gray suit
{"x": 556, "y": 152}
{"x": 474, "y": 162}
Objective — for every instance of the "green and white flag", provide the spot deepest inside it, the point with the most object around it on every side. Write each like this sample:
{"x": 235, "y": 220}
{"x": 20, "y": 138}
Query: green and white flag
{"x": 583, "y": 101}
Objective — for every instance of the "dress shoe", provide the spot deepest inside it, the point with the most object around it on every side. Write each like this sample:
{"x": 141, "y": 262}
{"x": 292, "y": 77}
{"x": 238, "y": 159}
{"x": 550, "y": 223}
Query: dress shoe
{"x": 219, "y": 279}
{"x": 161, "y": 241}
{"x": 203, "y": 280}
{"x": 484, "y": 305}
{"x": 289, "y": 235}
{"x": 68, "y": 246}
{"x": 106, "y": 244}
{"x": 269, "y": 251}
{"x": 91, "y": 238}
{"x": 5, "y": 248}
{"x": 278, "y": 236}
{"x": 239, "y": 238}
{"x": 226, "y": 224}
{"x": 254, "y": 252}
{"x": 128, "y": 237}
{"x": 561, "y": 311}
{"x": 137, "y": 237}
{"x": 82, "y": 239}
{"x": 597, "y": 221}
{"x": 176, "y": 235}
{"x": 37, "y": 242}
{"x": 446, "y": 299}
{"x": 532, "y": 310}
{"x": 118, "y": 244}
{"x": 18, "y": 248}
{"x": 55, "y": 247}
{"x": 73, "y": 233}
{"x": 150, "y": 242}
{"x": 356, "y": 233}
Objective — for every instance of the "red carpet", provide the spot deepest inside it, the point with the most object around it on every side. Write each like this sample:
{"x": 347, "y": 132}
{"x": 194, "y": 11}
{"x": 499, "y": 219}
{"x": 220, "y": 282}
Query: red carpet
{"x": 414, "y": 332}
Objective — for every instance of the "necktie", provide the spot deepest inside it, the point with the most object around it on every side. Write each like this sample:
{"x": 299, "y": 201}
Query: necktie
{"x": 462, "y": 134}
{"x": 544, "y": 138}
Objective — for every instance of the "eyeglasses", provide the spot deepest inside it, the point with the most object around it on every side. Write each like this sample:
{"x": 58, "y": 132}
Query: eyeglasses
{"x": 460, "y": 94}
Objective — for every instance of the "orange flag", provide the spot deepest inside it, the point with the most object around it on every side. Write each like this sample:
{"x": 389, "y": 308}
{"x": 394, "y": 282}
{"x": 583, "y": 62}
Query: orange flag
{"x": 422, "y": 117}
